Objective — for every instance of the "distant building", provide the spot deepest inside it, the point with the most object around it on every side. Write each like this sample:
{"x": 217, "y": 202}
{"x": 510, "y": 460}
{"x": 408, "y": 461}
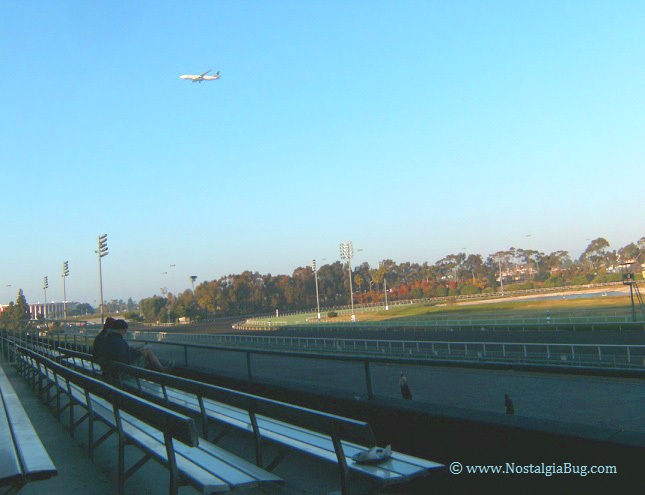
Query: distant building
{"x": 51, "y": 311}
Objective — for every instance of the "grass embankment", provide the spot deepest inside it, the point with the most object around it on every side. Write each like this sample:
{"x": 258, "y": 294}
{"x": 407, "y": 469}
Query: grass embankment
{"x": 596, "y": 304}
{"x": 517, "y": 308}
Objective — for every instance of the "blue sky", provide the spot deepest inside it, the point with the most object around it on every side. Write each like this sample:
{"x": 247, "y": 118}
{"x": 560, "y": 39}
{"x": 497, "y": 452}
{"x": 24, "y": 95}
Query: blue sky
{"x": 413, "y": 128}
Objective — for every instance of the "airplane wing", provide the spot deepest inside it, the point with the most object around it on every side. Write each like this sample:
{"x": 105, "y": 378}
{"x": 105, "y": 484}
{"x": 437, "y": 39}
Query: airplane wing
{"x": 202, "y": 75}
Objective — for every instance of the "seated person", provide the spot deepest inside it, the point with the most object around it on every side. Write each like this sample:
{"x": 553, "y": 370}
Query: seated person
{"x": 110, "y": 345}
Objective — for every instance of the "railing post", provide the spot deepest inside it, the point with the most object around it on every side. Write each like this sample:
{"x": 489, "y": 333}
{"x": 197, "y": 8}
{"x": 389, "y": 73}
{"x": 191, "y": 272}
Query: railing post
{"x": 368, "y": 381}
{"x": 248, "y": 366}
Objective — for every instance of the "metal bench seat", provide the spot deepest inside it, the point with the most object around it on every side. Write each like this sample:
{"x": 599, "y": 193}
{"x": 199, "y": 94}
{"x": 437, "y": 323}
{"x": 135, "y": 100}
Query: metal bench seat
{"x": 397, "y": 468}
{"x": 151, "y": 428}
{"x": 23, "y": 458}
{"x": 325, "y": 436}
{"x": 82, "y": 364}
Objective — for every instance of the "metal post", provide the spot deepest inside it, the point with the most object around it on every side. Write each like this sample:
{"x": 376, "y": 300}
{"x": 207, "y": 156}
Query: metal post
{"x": 45, "y": 285}
{"x": 631, "y": 294}
{"x": 385, "y": 290}
{"x": 101, "y": 291}
{"x": 368, "y": 381}
{"x": 313, "y": 267}
{"x": 102, "y": 251}
{"x": 65, "y": 274}
{"x": 346, "y": 252}
{"x": 248, "y": 365}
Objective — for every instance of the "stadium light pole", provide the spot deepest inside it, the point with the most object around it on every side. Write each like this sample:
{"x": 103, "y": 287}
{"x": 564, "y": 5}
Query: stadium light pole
{"x": 313, "y": 267}
{"x": 65, "y": 275}
{"x": 173, "y": 278}
{"x": 45, "y": 286}
{"x": 102, "y": 252}
{"x": 501, "y": 278}
{"x": 346, "y": 253}
{"x": 382, "y": 267}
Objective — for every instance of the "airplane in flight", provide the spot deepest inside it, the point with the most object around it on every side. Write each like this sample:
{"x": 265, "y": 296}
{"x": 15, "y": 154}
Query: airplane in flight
{"x": 201, "y": 77}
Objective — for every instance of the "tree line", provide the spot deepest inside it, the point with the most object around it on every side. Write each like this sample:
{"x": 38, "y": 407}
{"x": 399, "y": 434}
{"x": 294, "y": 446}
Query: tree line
{"x": 455, "y": 274}
{"x": 458, "y": 274}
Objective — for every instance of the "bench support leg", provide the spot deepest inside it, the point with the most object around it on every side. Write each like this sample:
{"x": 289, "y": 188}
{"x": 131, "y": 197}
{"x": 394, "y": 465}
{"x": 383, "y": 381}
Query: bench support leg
{"x": 138, "y": 465}
{"x": 219, "y": 436}
{"x": 172, "y": 464}
{"x": 277, "y": 460}
{"x": 342, "y": 464}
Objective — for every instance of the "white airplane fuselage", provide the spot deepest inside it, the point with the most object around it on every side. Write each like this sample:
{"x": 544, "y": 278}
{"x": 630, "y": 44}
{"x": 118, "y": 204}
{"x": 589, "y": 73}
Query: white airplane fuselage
{"x": 200, "y": 78}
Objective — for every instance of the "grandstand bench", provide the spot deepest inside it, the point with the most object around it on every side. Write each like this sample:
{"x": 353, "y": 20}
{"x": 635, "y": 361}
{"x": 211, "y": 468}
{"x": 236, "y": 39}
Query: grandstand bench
{"x": 23, "y": 457}
{"x": 326, "y": 436}
{"x": 150, "y": 427}
{"x": 80, "y": 360}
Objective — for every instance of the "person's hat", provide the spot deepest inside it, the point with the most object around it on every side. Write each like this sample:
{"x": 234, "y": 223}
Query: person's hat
{"x": 114, "y": 324}
{"x": 120, "y": 325}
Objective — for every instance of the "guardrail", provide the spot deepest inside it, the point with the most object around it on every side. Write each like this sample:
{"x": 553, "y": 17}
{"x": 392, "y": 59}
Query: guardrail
{"x": 547, "y": 357}
{"x": 520, "y": 324}
{"x": 600, "y": 356}
{"x": 610, "y": 356}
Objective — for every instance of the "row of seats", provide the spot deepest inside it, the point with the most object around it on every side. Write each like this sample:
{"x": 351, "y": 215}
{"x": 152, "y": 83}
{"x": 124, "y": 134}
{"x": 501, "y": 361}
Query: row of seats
{"x": 159, "y": 433}
{"x": 23, "y": 458}
{"x": 325, "y": 436}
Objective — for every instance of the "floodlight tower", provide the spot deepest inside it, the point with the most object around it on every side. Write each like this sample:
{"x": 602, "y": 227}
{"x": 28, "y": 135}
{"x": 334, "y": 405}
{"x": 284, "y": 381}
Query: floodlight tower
{"x": 346, "y": 253}
{"x": 65, "y": 275}
{"x": 313, "y": 267}
{"x": 45, "y": 286}
{"x": 102, "y": 252}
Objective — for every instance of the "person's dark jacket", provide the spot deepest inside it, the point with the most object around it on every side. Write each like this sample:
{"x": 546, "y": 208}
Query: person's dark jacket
{"x": 111, "y": 346}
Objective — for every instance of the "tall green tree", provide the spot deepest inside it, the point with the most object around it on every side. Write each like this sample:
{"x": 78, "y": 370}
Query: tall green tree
{"x": 595, "y": 256}
{"x": 153, "y": 309}
{"x": 16, "y": 316}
